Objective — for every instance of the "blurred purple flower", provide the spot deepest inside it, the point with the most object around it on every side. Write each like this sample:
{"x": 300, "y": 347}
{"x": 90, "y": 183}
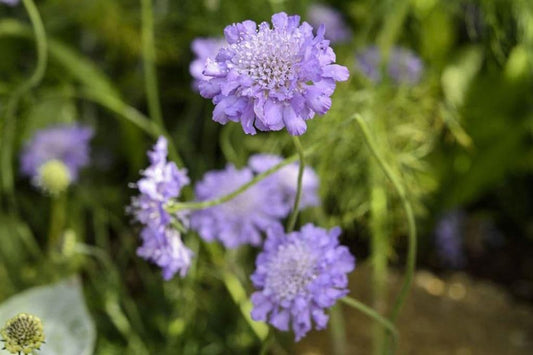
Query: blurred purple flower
{"x": 10, "y": 2}
{"x": 271, "y": 78}
{"x": 203, "y": 48}
{"x": 162, "y": 181}
{"x": 242, "y": 219}
{"x": 404, "y": 66}
{"x": 336, "y": 29}
{"x": 449, "y": 239}
{"x": 287, "y": 179}
{"x": 298, "y": 276}
{"x": 165, "y": 248}
{"x": 68, "y": 144}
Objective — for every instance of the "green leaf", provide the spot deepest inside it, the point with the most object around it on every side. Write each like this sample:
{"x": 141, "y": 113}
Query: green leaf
{"x": 68, "y": 327}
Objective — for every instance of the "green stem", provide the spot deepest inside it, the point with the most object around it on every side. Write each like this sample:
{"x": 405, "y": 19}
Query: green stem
{"x": 150, "y": 75}
{"x": 11, "y": 107}
{"x": 198, "y": 205}
{"x": 411, "y": 253}
{"x": 57, "y": 219}
{"x": 296, "y": 207}
{"x": 374, "y": 315}
{"x": 338, "y": 330}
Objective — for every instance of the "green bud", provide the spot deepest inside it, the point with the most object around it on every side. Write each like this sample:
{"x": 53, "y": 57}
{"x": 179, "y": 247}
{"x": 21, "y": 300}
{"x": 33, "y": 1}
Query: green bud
{"x": 53, "y": 177}
{"x": 22, "y": 334}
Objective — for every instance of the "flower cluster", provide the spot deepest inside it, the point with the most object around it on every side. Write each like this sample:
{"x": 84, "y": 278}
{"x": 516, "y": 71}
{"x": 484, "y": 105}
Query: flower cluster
{"x": 53, "y": 157}
{"x": 337, "y": 30}
{"x": 161, "y": 182}
{"x": 270, "y": 78}
{"x": 287, "y": 177}
{"x": 22, "y": 334}
{"x": 298, "y": 275}
{"x": 404, "y": 67}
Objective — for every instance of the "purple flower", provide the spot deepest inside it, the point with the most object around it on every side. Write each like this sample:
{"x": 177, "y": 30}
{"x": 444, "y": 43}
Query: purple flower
{"x": 242, "y": 219}
{"x": 404, "y": 66}
{"x": 337, "y": 30}
{"x": 10, "y": 2}
{"x": 298, "y": 276}
{"x": 449, "y": 239}
{"x": 203, "y": 48}
{"x": 162, "y": 181}
{"x": 165, "y": 248}
{"x": 270, "y": 78}
{"x": 287, "y": 179}
{"x": 68, "y": 144}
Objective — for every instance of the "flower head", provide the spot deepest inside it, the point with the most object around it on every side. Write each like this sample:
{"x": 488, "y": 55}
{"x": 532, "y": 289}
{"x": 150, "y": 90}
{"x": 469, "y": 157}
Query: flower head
{"x": 203, "y": 48}
{"x": 270, "y": 78}
{"x": 287, "y": 178}
{"x": 298, "y": 276}
{"x": 337, "y": 30}
{"x": 404, "y": 66}
{"x": 162, "y": 181}
{"x": 242, "y": 219}
{"x": 22, "y": 334}
{"x": 65, "y": 144}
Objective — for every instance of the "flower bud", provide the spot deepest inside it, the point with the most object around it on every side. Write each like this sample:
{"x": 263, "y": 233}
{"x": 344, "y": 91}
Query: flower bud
{"x": 53, "y": 177}
{"x": 22, "y": 334}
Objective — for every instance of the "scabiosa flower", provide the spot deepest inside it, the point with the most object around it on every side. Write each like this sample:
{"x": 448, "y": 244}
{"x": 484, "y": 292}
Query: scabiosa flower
{"x": 242, "y": 219}
{"x": 287, "y": 179}
{"x": 162, "y": 181}
{"x": 269, "y": 78}
{"x": 449, "y": 239}
{"x": 203, "y": 48}
{"x": 298, "y": 276}
{"x": 337, "y": 30}
{"x": 22, "y": 334}
{"x": 66, "y": 145}
{"x": 404, "y": 66}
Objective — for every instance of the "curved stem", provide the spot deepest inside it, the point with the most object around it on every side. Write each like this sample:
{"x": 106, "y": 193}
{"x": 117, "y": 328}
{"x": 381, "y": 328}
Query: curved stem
{"x": 18, "y": 93}
{"x": 150, "y": 75}
{"x": 296, "y": 207}
{"x": 411, "y": 253}
{"x": 352, "y": 302}
{"x": 198, "y": 205}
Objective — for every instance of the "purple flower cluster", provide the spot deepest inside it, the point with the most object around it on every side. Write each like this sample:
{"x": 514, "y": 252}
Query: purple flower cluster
{"x": 449, "y": 239}
{"x": 337, "y": 30}
{"x": 68, "y": 144}
{"x": 242, "y": 219}
{"x": 203, "y": 48}
{"x": 404, "y": 66}
{"x": 270, "y": 78}
{"x": 162, "y": 181}
{"x": 298, "y": 275}
{"x": 287, "y": 179}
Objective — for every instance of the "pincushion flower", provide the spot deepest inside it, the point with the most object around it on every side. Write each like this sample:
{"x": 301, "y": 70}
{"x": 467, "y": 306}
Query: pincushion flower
{"x": 162, "y": 181}
{"x": 10, "y": 2}
{"x": 337, "y": 30}
{"x": 67, "y": 145}
{"x": 22, "y": 334}
{"x": 404, "y": 66}
{"x": 449, "y": 238}
{"x": 298, "y": 276}
{"x": 242, "y": 219}
{"x": 270, "y": 78}
{"x": 203, "y": 48}
{"x": 287, "y": 179}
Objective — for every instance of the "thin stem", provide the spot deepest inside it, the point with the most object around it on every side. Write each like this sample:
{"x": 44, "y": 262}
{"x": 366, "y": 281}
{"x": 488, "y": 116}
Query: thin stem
{"x": 11, "y": 107}
{"x": 296, "y": 207}
{"x": 150, "y": 75}
{"x": 352, "y": 302}
{"x": 338, "y": 330}
{"x": 58, "y": 210}
{"x": 198, "y": 205}
{"x": 411, "y": 253}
